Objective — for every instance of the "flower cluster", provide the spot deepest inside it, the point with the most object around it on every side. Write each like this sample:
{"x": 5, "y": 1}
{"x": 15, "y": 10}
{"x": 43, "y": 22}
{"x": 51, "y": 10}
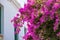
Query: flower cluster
{"x": 43, "y": 19}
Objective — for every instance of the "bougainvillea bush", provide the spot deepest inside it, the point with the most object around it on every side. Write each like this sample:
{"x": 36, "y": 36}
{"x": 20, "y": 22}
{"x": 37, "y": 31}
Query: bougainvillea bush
{"x": 42, "y": 17}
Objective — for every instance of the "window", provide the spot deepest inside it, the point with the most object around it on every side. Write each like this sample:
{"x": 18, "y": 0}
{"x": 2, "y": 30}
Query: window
{"x": 0, "y": 20}
{"x": 16, "y": 35}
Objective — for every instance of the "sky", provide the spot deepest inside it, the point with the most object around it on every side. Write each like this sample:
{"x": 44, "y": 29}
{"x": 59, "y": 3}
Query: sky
{"x": 22, "y": 2}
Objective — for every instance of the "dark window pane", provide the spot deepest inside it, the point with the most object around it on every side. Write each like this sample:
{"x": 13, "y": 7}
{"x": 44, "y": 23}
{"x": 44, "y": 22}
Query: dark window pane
{"x": 0, "y": 20}
{"x": 16, "y": 36}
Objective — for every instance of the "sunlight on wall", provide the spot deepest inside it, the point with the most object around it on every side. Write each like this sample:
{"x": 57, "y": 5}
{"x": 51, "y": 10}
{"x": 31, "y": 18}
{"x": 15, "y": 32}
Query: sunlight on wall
{"x": 22, "y": 2}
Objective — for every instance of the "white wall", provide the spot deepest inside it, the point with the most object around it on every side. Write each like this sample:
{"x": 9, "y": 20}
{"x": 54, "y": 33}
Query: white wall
{"x": 22, "y": 2}
{"x": 9, "y": 13}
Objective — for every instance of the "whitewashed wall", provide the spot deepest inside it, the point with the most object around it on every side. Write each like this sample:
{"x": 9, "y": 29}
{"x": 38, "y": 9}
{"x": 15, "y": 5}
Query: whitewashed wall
{"x": 9, "y": 12}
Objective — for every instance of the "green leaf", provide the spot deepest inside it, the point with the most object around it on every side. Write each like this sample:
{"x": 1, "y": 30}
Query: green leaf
{"x": 53, "y": 38}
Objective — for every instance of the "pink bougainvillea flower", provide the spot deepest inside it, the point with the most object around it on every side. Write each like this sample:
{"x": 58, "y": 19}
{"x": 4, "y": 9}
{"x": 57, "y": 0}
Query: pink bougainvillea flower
{"x": 39, "y": 16}
{"x": 58, "y": 34}
{"x": 31, "y": 2}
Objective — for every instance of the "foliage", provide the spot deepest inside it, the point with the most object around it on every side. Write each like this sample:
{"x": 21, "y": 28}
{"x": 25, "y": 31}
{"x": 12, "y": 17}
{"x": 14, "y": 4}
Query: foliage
{"x": 43, "y": 19}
